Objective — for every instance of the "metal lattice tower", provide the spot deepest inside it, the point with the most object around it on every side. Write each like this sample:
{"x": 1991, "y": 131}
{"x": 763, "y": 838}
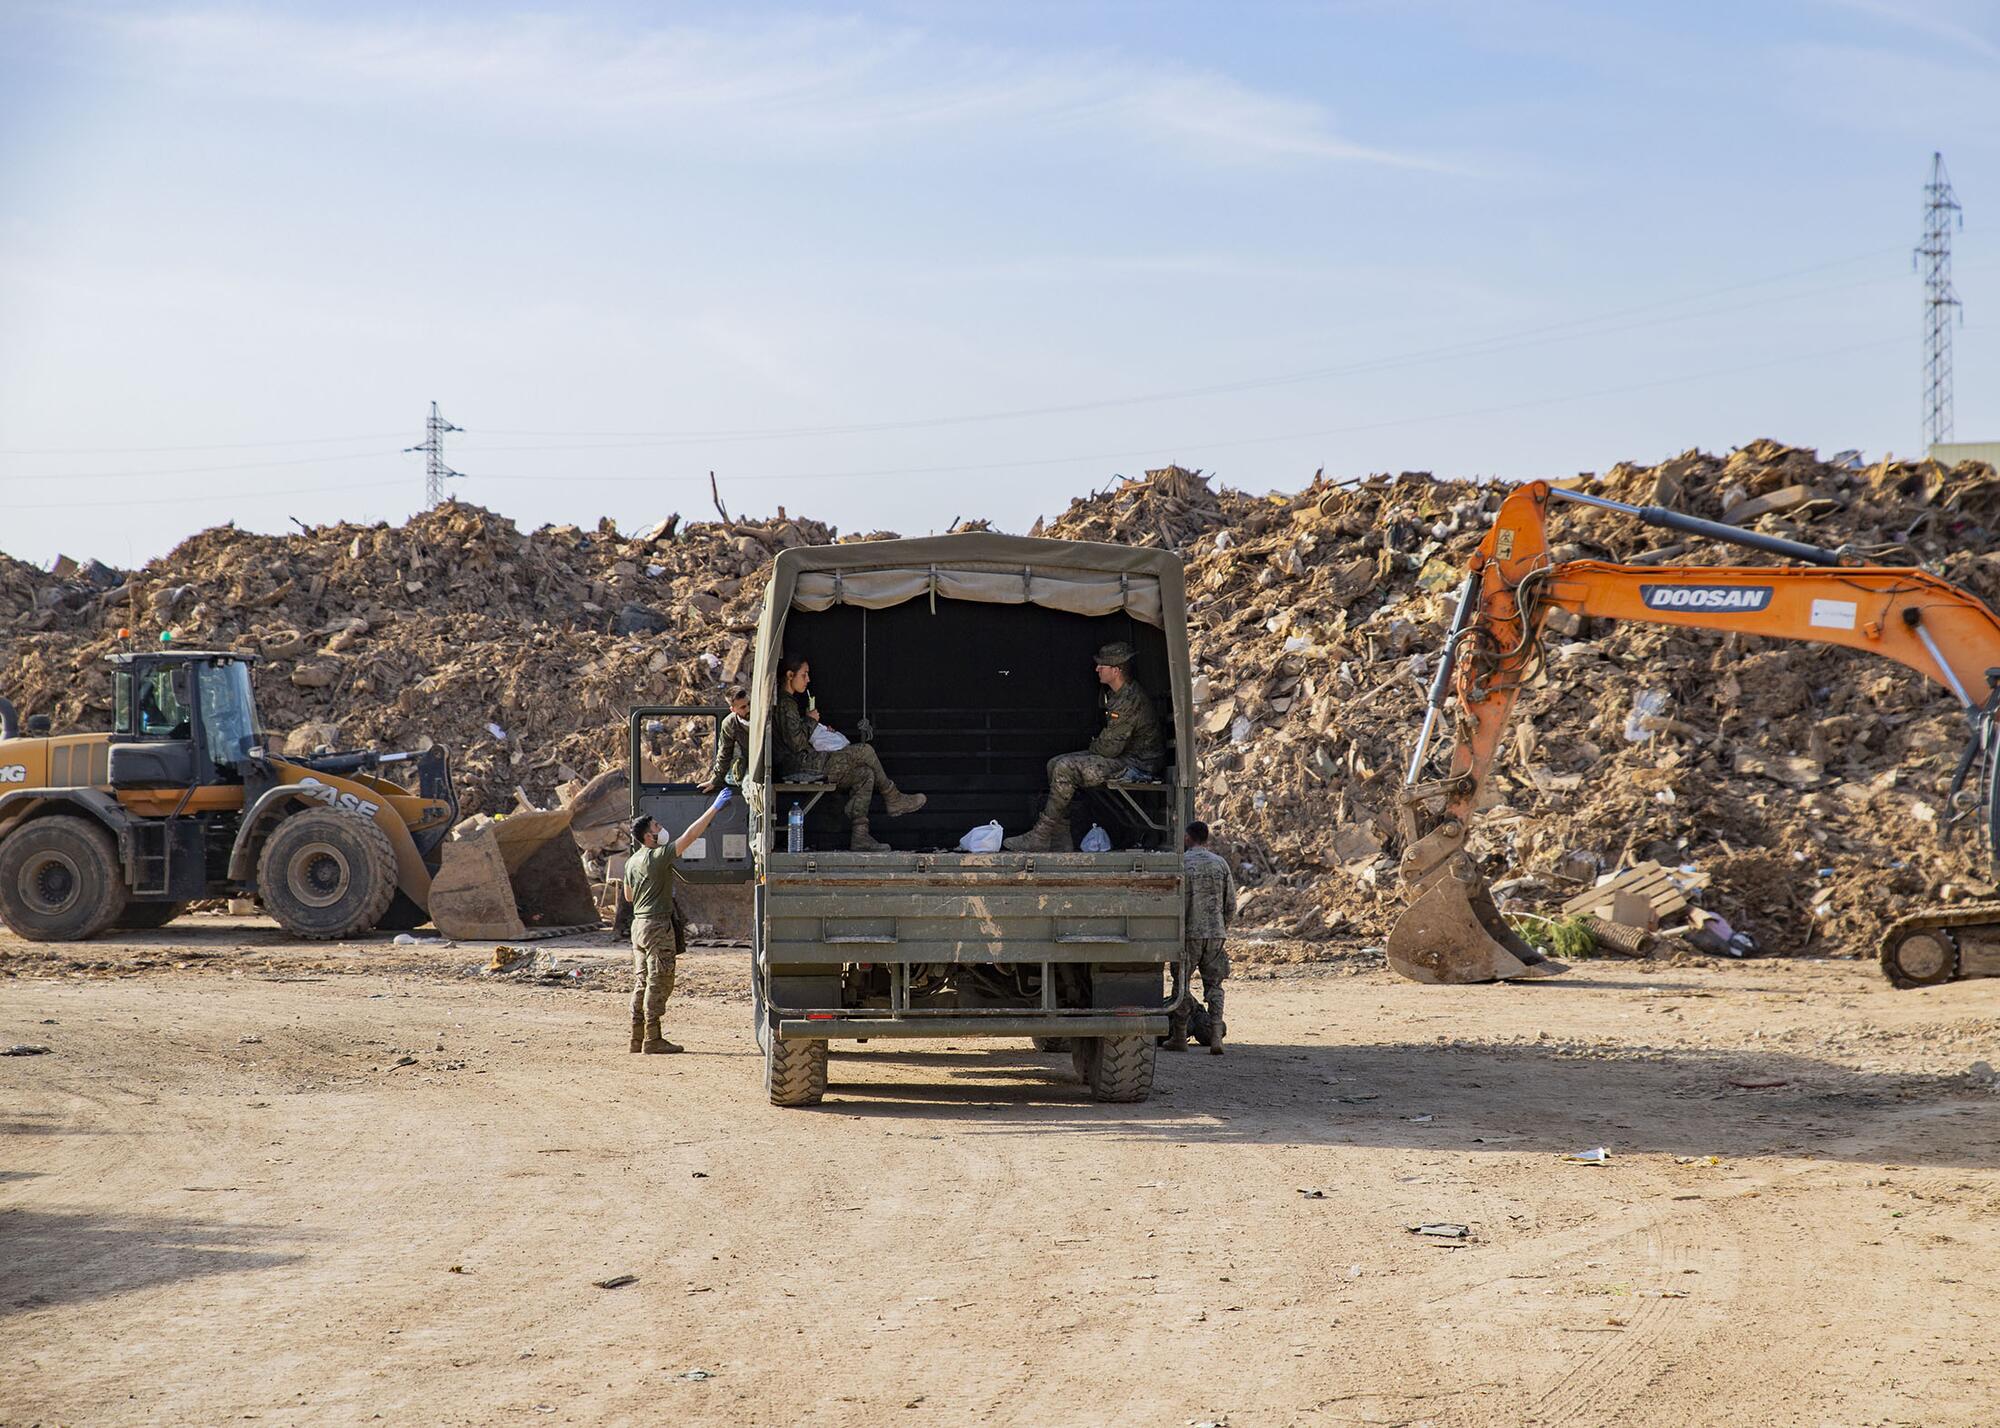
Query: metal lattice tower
{"x": 435, "y": 471}
{"x": 1933, "y": 259}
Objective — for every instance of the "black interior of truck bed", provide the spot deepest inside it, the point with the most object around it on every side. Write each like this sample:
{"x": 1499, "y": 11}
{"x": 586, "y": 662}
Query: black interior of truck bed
{"x": 969, "y": 702}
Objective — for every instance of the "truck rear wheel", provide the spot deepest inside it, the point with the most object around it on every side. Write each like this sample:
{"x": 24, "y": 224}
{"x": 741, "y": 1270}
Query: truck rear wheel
{"x": 60, "y": 880}
{"x": 794, "y": 1071}
{"x": 325, "y": 875}
{"x": 1052, "y": 1043}
{"x": 145, "y": 916}
{"x": 1118, "y": 1069}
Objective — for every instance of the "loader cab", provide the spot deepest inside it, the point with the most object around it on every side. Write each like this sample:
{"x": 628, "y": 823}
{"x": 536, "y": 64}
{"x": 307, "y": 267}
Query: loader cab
{"x": 182, "y": 717}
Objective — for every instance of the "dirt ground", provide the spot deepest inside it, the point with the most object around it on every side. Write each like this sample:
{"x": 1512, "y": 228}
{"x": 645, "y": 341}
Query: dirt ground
{"x": 252, "y": 1182}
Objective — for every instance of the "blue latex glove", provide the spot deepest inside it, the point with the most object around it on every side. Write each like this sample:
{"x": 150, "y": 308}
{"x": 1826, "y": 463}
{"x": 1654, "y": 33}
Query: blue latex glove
{"x": 723, "y": 798}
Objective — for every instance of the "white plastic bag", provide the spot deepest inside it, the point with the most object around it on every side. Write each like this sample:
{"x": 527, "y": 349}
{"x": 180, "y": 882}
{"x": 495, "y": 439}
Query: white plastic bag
{"x": 1096, "y": 840}
{"x": 984, "y": 839}
{"x": 828, "y": 740}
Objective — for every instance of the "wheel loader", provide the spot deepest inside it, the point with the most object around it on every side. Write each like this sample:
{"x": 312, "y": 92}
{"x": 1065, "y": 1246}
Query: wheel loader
{"x": 184, "y": 799}
{"x": 1452, "y": 931}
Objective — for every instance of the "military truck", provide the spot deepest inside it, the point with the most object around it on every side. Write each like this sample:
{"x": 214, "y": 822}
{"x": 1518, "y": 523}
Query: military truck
{"x": 969, "y": 661}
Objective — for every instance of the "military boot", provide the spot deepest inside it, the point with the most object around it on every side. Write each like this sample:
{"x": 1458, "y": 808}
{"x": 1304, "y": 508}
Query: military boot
{"x": 862, "y": 841}
{"x": 898, "y": 802}
{"x": 656, "y": 1044}
{"x": 1217, "y": 1029}
{"x": 1049, "y": 835}
{"x": 638, "y": 1033}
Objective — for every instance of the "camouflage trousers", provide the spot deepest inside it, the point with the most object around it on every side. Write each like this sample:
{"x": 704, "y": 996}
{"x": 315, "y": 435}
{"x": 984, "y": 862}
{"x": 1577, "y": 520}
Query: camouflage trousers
{"x": 856, "y": 770}
{"x": 1070, "y": 772}
{"x": 1208, "y": 956}
{"x": 655, "y": 950}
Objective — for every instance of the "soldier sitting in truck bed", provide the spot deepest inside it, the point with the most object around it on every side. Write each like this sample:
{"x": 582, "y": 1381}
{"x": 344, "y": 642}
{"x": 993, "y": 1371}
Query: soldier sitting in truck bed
{"x": 856, "y": 770}
{"x": 1130, "y": 746}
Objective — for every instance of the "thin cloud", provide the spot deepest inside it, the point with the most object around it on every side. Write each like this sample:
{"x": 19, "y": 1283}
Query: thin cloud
{"x": 1922, "y": 19}
{"x": 820, "y": 87}
{"x": 1932, "y": 97}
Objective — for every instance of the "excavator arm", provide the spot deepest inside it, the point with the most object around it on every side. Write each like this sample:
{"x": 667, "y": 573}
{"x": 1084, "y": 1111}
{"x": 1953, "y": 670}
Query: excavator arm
{"x": 1451, "y": 930}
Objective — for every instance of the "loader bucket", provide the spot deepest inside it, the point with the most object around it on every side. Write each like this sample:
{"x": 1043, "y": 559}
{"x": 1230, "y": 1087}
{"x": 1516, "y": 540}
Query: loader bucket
{"x": 1453, "y": 933}
{"x": 511, "y": 877}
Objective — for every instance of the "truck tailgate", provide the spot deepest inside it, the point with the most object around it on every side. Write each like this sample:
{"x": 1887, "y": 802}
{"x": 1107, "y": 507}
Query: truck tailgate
{"x": 972, "y": 907}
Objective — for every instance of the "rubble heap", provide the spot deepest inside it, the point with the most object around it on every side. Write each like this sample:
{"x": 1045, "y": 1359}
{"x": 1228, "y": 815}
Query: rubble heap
{"x": 518, "y": 652}
{"x": 1803, "y": 785}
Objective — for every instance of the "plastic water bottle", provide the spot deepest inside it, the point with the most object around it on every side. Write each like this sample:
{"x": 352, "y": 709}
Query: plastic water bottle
{"x": 795, "y": 829}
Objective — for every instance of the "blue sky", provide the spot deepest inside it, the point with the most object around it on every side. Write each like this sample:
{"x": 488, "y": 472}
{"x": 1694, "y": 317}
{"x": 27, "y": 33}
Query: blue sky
{"x": 894, "y": 264}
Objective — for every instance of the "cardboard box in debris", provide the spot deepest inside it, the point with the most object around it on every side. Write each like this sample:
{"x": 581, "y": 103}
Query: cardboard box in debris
{"x": 1805, "y": 785}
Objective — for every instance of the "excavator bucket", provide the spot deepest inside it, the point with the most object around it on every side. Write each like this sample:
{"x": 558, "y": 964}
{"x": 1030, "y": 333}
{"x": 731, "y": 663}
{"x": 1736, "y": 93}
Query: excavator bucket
{"x": 515, "y": 877}
{"x": 1453, "y": 933}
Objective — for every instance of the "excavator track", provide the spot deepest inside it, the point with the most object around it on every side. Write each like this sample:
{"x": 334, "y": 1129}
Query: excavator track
{"x": 1922, "y": 950}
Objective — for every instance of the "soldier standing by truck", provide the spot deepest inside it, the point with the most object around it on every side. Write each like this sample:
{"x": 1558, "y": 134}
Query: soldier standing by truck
{"x": 649, "y": 883}
{"x": 1130, "y": 746}
{"x": 1211, "y": 907}
{"x": 732, "y": 743}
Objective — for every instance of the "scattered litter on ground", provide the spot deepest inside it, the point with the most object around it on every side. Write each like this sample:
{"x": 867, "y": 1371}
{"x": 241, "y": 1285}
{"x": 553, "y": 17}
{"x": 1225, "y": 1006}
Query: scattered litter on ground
{"x": 1441, "y": 1230}
{"x": 1598, "y": 1155}
{"x": 617, "y": 1281}
{"x": 23, "y": 1049}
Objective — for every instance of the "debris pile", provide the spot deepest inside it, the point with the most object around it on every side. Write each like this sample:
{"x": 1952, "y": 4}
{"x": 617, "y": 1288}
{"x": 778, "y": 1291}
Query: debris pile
{"x": 1795, "y": 790}
{"x": 520, "y": 652}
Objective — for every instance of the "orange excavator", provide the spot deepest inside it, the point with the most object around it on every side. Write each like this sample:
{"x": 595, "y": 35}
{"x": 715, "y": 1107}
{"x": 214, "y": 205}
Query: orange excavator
{"x": 1452, "y": 931}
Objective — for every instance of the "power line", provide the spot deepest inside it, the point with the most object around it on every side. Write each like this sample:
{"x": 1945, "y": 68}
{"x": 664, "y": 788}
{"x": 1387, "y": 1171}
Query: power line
{"x": 234, "y": 497}
{"x": 211, "y": 446}
{"x": 1477, "y": 347}
{"x": 207, "y": 470}
{"x": 1191, "y": 447}
{"x": 1473, "y": 347}
{"x": 1129, "y": 453}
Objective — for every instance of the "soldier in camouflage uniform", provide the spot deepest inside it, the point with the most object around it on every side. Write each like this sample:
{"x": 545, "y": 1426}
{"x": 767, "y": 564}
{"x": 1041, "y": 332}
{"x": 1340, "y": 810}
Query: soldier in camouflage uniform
{"x": 732, "y": 744}
{"x": 659, "y": 934}
{"x": 856, "y": 770}
{"x": 1211, "y": 907}
{"x": 1132, "y": 745}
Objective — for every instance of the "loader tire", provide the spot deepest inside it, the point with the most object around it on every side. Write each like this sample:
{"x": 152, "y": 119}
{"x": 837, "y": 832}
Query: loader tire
{"x": 794, "y": 1071}
{"x": 60, "y": 880}
{"x": 325, "y": 875}
{"x": 1118, "y": 1069}
{"x": 145, "y": 916}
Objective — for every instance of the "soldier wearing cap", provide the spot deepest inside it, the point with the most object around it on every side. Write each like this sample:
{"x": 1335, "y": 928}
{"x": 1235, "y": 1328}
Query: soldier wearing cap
{"x": 1131, "y": 745}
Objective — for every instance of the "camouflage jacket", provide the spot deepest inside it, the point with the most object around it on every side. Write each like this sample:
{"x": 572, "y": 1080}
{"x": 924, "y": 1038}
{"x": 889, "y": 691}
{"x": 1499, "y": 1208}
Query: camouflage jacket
{"x": 1131, "y": 729}
{"x": 732, "y": 751}
{"x": 1211, "y": 893}
{"x": 793, "y": 736}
